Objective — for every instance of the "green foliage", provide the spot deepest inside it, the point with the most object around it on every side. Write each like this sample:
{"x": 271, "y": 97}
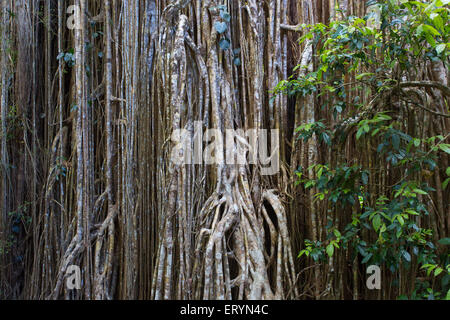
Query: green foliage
{"x": 307, "y": 130}
{"x": 236, "y": 59}
{"x": 221, "y": 27}
{"x": 224, "y": 44}
{"x": 68, "y": 57}
{"x": 409, "y": 33}
{"x": 6, "y": 246}
{"x": 60, "y": 168}
{"x": 14, "y": 123}
{"x": 314, "y": 250}
{"x": 20, "y": 215}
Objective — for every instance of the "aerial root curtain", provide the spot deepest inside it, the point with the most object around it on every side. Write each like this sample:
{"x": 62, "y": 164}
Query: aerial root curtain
{"x": 87, "y": 116}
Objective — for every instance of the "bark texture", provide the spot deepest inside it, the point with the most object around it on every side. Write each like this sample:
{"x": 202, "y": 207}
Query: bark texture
{"x": 87, "y": 116}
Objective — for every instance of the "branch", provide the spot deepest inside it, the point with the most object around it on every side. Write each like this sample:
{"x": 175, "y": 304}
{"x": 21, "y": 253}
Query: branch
{"x": 407, "y": 98}
{"x": 426, "y": 84}
{"x": 118, "y": 99}
{"x": 428, "y": 110}
{"x": 348, "y": 123}
{"x": 291, "y": 28}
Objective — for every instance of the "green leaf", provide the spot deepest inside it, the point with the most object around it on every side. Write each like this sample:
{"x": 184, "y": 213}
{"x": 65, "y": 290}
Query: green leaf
{"x": 431, "y": 30}
{"x": 326, "y": 138}
{"x": 220, "y": 27}
{"x": 366, "y": 128}
{"x": 437, "y": 20}
{"x": 416, "y": 142}
{"x": 319, "y": 173}
{"x": 224, "y": 44}
{"x": 445, "y": 147}
{"x": 438, "y": 271}
{"x": 365, "y": 178}
{"x": 428, "y": 266}
{"x": 430, "y": 39}
{"x": 376, "y": 223}
{"x": 440, "y": 47}
{"x": 374, "y": 132}
{"x": 362, "y": 75}
{"x": 337, "y": 233}
{"x": 225, "y": 16}
{"x": 396, "y": 141}
{"x": 419, "y": 30}
{"x": 406, "y": 255}
{"x": 330, "y": 250}
{"x": 359, "y": 133}
{"x": 366, "y": 258}
{"x": 445, "y": 183}
{"x": 419, "y": 191}
{"x": 410, "y": 211}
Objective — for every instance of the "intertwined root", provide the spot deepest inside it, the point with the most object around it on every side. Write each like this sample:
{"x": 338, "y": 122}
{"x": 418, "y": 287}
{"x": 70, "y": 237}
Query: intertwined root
{"x": 233, "y": 241}
{"x": 240, "y": 244}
